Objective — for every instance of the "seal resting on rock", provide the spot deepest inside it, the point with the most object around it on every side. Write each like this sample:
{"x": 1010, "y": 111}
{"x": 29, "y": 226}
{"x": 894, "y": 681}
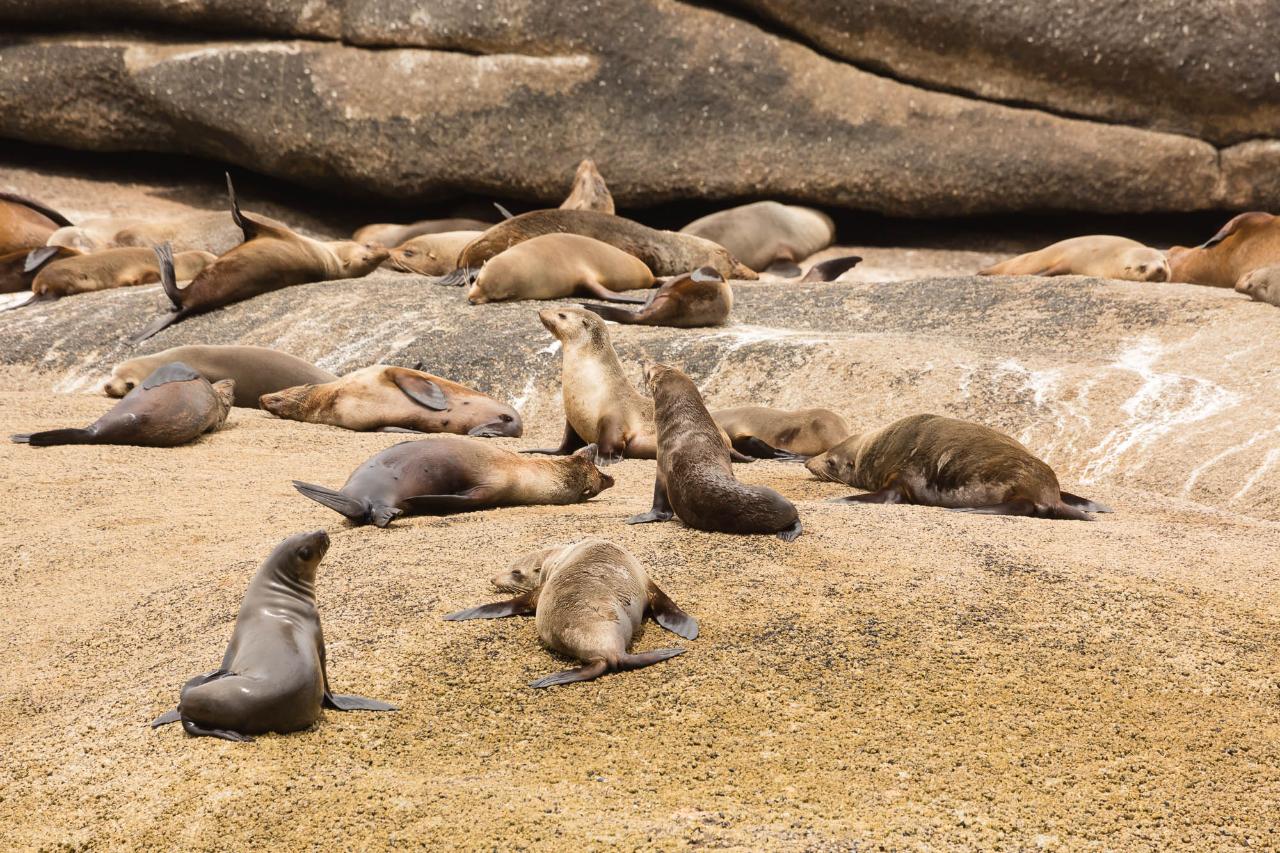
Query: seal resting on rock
{"x": 554, "y": 266}
{"x": 696, "y": 299}
{"x": 109, "y": 269}
{"x": 431, "y": 254}
{"x": 1261, "y": 285}
{"x": 1102, "y": 256}
{"x": 1248, "y": 242}
{"x": 255, "y": 370}
{"x": 588, "y": 601}
{"x": 767, "y": 235}
{"x": 389, "y": 235}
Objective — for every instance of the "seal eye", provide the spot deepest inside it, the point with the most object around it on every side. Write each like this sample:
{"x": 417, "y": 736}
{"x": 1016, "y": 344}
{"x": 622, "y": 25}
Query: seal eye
{"x": 304, "y": 553}
{"x": 409, "y": 253}
{"x": 128, "y": 386}
{"x": 561, "y": 316}
{"x": 506, "y": 419}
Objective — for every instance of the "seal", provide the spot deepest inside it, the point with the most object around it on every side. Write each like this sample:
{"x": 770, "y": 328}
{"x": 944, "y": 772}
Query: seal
{"x": 589, "y": 191}
{"x": 447, "y": 474}
{"x": 431, "y": 254}
{"x": 1261, "y": 285}
{"x": 931, "y": 460}
{"x": 554, "y": 266}
{"x": 395, "y": 399}
{"x": 255, "y": 370}
{"x": 766, "y": 235}
{"x": 1248, "y": 242}
{"x": 273, "y": 676}
{"x": 695, "y": 477}
{"x": 698, "y": 298}
{"x": 588, "y": 601}
{"x": 25, "y": 223}
{"x": 202, "y": 231}
{"x": 272, "y": 257}
{"x": 18, "y": 269}
{"x": 172, "y": 406}
{"x": 1099, "y": 255}
{"x": 389, "y": 234}
{"x": 778, "y": 434}
{"x": 109, "y": 269}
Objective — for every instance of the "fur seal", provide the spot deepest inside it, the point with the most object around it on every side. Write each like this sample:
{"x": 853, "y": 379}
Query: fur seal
{"x": 272, "y": 257}
{"x": 1099, "y": 255}
{"x": 431, "y": 254}
{"x": 937, "y": 461}
{"x": 255, "y": 370}
{"x": 588, "y": 601}
{"x": 695, "y": 477}
{"x": 383, "y": 397}
{"x": 202, "y": 231}
{"x": 25, "y": 223}
{"x": 172, "y": 406}
{"x": 446, "y": 474}
{"x": 1261, "y": 285}
{"x": 18, "y": 269}
{"x": 589, "y": 191}
{"x": 778, "y": 434}
{"x": 388, "y": 235}
{"x": 766, "y": 235}
{"x": 698, "y": 298}
{"x": 109, "y": 269}
{"x": 554, "y": 266}
{"x": 1246, "y": 243}
{"x": 273, "y": 676}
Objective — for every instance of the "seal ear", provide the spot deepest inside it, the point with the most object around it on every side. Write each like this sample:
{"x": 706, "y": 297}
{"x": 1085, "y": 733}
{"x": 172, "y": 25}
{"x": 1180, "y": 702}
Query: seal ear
{"x": 588, "y": 452}
{"x": 419, "y": 389}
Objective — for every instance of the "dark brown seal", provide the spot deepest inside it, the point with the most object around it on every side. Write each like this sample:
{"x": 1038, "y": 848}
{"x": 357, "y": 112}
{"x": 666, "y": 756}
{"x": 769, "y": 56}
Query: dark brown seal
{"x": 588, "y": 600}
{"x": 1248, "y": 242}
{"x": 255, "y": 370}
{"x": 692, "y": 300}
{"x": 936, "y": 461}
{"x": 19, "y": 269}
{"x": 778, "y": 434}
{"x": 172, "y": 406}
{"x": 695, "y": 477}
{"x": 273, "y": 676}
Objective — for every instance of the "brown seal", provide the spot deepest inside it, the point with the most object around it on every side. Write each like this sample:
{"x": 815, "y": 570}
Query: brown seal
{"x": 431, "y": 254}
{"x": 389, "y": 399}
{"x": 18, "y": 269}
{"x": 26, "y": 224}
{"x": 388, "y": 235}
{"x": 1248, "y": 242}
{"x": 588, "y": 601}
{"x": 446, "y": 474}
{"x": 936, "y": 461}
{"x": 555, "y": 266}
{"x": 778, "y": 434}
{"x": 695, "y": 299}
{"x": 109, "y": 269}
{"x": 1099, "y": 255}
{"x": 589, "y": 191}
{"x": 766, "y": 235}
{"x": 1261, "y": 285}
{"x": 202, "y": 231}
{"x": 695, "y": 477}
{"x": 272, "y": 257}
{"x": 274, "y": 675}
{"x": 255, "y": 370}
{"x": 172, "y": 406}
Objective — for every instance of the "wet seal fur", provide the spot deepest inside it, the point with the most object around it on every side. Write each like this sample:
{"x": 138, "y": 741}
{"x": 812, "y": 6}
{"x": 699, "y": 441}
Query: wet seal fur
{"x": 26, "y": 224}
{"x": 932, "y": 460}
{"x": 431, "y": 254}
{"x": 172, "y": 406}
{"x": 273, "y": 676}
{"x": 1261, "y": 285}
{"x": 779, "y": 434}
{"x": 693, "y": 300}
{"x": 1099, "y": 255}
{"x": 447, "y": 474}
{"x": 1248, "y": 242}
{"x": 588, "y": 601}
{"x": 387, "y": 398}
{"x": 255, "y": 370}
{"x": 555, "y": 266}
{"x": 589, "y": 191}
{"x": 767, "y": 235}
{"x": 695, "y": 477}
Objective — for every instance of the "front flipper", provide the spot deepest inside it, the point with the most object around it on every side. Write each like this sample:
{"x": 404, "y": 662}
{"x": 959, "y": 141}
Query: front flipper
{"x": 888, "y": 495}
{"x": 611, "y": 444}
{"x": 832, "y": 269}
{"x": 521, "y": 605}
{"x": 340, "y": 702}
{"x": 481, "y": 497}
{"x": 752, "y": 446}
{"x": 400, "y": 429}
{"x": 792, "y": 533}
{"x": 590, "y": 672}
{"x": 571, "y": 442}
{"x": 669, "y": 615}
{"x": 661, "y": 510}
{"x": 1083, "y": 503}
{"x": 196, "y": 730}
{"x": 166, "y": 718}
{"x": 599, "y": 291}
{"x": 1020, "y": 506}
{"x": 419, "y": 389}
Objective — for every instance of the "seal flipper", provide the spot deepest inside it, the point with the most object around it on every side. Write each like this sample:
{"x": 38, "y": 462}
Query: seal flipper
{"x": 792, "y": 533}
{"x": 34, "y": 299}
{"x": 1083, "y": 503}
{"x": 168, "y": 278}
{"x": 1024, "y": 507}
{"x": 568, "y": 444}
{"x": 786, "y": 268}
{"x": 669, "y": 615}
{"x": 480, "y": 497}
{"x": 54, "y": 437}
{"x": 661, "y": 510}
{"x": 357, "y": 511}
{"x": 590, "y": 672}
{"x": 599, "y": 291}
{"x": 736, "y": 455}
{"x": 506, "y": 214}
{"x": 174, "y": 371}
{"x": 422, "y": 391}
{"x": 608, "y": 312}
{"x": 196, "y": 730}
{"x": 521, "y": 605}
{"x": 160, "y": 323}
{"x": 888, "y": 495}
{"x": 166, "y": 718}
{"x": 37, "y": 258}
{"x": 460, "y": 277}
{"x": 749, "y": 445}
{"x": 834, "y": 268}
{"x": 341, "y": 702}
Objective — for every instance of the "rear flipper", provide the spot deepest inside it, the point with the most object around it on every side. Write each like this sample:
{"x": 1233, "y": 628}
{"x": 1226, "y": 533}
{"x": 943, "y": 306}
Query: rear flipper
{"x": 570, "y": 443}
{"x": 792, "y": 533}
{"x": 460, "y": 277}
{"x": 340, "y": 702}
{"x": 608, "y": 312}
{"x": 887, "y": 495}
{"x": 196, "y": 730}
{"x": 785, "y": 268}
{"x": 157, "y": 325}
{"x": 599, "y": 291}
{"x": 1024, "y": 507}
{"x": 168, "y": 279}
{"x": 1084, "y": 503}
{"x": 476, "y": 498}
{"x": 166, "y": 718}
{"x": 34, "y": 299}
{"x": 831, "y": 270}
{"x": 54, "y": 437}
{"x": 752, "y": 446}
{"x": 358, "y": 511}
{"x": 595, "y": 669}
{"x": 661, "y": 509}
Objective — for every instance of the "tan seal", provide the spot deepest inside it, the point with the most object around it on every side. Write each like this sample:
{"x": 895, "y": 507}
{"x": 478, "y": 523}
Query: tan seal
{"x": 255, "y": 370}
{"x": 588, "y": 600}
{"x": 1099, "y": 255}
{"x": 589, "y": 191}
{"x": 110, "y": 269}
{"x": 555, "y": 266}
{"x": 26, "y": 224}
{"x": 387, "y": 398}
{"x": 202, "y": 231}
{"x": 1261, "y": 285}
{"x": 1248, "y": 242}
{"x": 390, "y": 234}
{"x": 779, "y": 434}
{"x": 696, "y": 299}
{"x": 767, "y": 235}
{"x": 936, "y": 461}
{"x": 431, "y": 254}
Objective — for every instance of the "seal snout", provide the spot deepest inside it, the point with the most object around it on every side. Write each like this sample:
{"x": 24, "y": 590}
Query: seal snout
{"x": 319, "y": 539}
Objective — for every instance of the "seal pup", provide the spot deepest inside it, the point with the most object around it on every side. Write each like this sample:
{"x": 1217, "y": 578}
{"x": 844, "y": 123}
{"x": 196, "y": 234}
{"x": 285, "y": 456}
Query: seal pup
{"x": 387, "y": 398}
{"x": 273, "y": 676}
{"x": 26, "y": 223}
{"x": 389, "y": 234}
{"x": 589, "y": 191}
{"x": 1098, "y": 255}
{"x": 447, "y": 474}
{"x": 202, "y": 231}
{"x": 698, "y": 298}
{"x": 255, "y": 370}
{"x": 109, "y": 269}
{"x": 271, "y": 257}
{"x": 1246, "y": 243}
{"x": 18, "y": 269}
{"x": 1261, "y": 285}
{"x": 588, "y": 601}
{"x": 431, "y": 254}
{"x": 767, "y": 235}
{"x": 937, "y": 461}
{"x": 554, "y": 266}
{"x": 172, "y": 406}
{"x": 793, "y": 436}
{"x": 695, "y": 477}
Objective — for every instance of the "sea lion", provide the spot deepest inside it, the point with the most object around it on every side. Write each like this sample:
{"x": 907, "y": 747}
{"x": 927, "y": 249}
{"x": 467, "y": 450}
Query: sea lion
{"x": 202, "y": 231}
{"x": 388, "y": 235}
{"x": 588, "y": 601}
{"x": 446, "y": 474}
{"x": 109, "y": 269}
{"x": 778, "y": 434}
{"x": 766, "y": 235}
{"x": 273, "y": 676}
{"x": 698, "y": 298}
{"x": 695, "y": 477}
{"x": 589, "y": 191}
{"x": 255, "y": 370}
{"x": 271, "y": 257}
{"x": 431, "y": 254}
{"x": 26, "y": 223}
{"x": 383, "y": 397}
{"x": 554, "y": 266}
{"x": 936, "y": 461}
{"x": 1261, "y": 285}
{"x": 1099, "y": 255}
{"x": 1248, "y": 242}
{"x": 18, "y": 269}
{"x": 172, "y": 406}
